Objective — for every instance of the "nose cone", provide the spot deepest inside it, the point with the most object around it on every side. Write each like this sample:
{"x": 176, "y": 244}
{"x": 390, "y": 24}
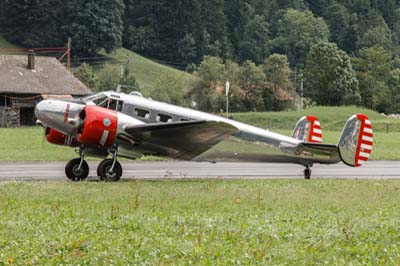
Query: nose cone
{"x": 40, "y": 110}
{"x": 58, "y": 114}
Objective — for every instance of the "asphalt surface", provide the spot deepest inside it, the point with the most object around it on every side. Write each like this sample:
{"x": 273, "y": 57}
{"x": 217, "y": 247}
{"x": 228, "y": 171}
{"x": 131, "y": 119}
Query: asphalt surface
{"x": 54, "y": 171}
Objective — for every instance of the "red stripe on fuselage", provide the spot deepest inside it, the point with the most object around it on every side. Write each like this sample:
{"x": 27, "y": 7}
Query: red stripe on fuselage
{"x": 66, "y": 115}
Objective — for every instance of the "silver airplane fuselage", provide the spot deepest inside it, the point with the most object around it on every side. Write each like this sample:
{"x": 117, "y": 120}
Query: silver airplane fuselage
{"x": 248, "y": 143}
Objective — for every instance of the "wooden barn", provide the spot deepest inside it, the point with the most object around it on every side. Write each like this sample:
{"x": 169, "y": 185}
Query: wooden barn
{"x": 26, "y": 80}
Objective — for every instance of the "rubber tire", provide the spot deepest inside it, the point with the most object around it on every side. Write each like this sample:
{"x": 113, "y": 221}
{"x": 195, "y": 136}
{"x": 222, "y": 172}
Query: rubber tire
{"x": 307, "y": 173}
{"x": 72, "y": 174}
{"x": 104, "y": 166}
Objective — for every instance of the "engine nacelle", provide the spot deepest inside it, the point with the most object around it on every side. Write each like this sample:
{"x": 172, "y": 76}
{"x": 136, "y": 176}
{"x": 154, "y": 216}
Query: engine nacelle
{"x": 100, "y": 126}
{"x": 55, "y": 137}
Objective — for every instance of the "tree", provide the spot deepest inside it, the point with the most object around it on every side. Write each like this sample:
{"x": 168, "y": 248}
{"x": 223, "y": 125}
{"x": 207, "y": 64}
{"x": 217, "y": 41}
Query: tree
{"x": 27, "y": 23}
{"x": 373, "y": 67}
{"x": 297, "y": 32}
{"x": 110, "y": 76}
{"x": 127, "y": 78}
{"x": 377, "y": 36}
{"x": 211, "y": 71}
{"x": 277, "y": 71}
{"x": 393, "y": 97}
{"x": 251, "y": 75}
{"x": 215, "y": 23}
{"x": 85, "y": 74}
{"x": 96, "y": 24}
{"x": 254, "y": 45}
{"x": 140, "y": 39}
{"x": 170, "y": 89}
{"x": 187, "y": 49}
{"x": 232, "y": 73}
{"x": 329, "y": 76}
{"x": 92, "y": 25}
{"x": 338, "y": 19}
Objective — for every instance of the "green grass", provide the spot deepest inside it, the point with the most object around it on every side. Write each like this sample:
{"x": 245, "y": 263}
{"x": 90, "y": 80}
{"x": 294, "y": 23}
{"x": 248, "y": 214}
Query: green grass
{"x": 5, "y": 44}
{"x": 29, "y": 144}
{"x": 263, "y": 222}
{"x": 148, "y": 72}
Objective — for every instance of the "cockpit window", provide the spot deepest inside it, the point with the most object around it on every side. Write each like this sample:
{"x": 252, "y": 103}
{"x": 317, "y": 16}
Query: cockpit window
{"x": 98, "y": 99}
{"x": 104, "y": 101}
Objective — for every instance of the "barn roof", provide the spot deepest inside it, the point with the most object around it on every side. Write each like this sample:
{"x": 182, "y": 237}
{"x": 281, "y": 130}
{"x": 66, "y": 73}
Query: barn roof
{"x": 48, "y": 77}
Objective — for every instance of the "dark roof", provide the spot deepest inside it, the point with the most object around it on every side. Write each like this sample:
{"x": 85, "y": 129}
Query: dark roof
{"x": 49, "y": 77}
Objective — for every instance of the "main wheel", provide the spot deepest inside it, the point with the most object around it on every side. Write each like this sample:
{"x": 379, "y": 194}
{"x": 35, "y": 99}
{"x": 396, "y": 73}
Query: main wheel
{"x": 103, "y": 171}
{"x": 307, "y": 173}
{"x": 75, "y": 174}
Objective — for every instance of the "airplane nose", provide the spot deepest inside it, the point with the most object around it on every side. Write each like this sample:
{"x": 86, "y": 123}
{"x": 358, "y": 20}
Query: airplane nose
{"x": 61, "y": 115}
{"x": 40, "y": 109}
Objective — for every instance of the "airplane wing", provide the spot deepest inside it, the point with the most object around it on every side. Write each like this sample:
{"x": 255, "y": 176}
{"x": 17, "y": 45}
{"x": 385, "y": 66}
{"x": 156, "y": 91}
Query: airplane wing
{"x": 181, "y": 140}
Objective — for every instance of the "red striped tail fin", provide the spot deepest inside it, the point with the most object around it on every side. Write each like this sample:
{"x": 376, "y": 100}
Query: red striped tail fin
{"x": 308, "y": 129}
{"x": 356, "y": 142}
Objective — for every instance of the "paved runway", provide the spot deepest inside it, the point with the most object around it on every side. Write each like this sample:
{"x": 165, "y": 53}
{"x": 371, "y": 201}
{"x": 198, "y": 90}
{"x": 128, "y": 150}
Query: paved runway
{"x": 155, "y": 170}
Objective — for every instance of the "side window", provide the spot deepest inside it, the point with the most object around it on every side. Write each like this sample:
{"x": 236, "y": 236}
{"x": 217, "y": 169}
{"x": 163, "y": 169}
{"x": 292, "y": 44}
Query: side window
{"x": 141, "y": 113}
{"x": 164, "y": 118}
{"x": 128, "y": 109}
{"x": 184, "y": 119}
{"x": 120, "y": 105}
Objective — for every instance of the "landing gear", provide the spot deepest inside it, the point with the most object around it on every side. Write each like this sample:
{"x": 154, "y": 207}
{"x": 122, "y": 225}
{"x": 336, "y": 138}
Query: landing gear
{"x": 307, "y": 172}
{"x": 110, "y": 170}
{"x": 77, "y": 169}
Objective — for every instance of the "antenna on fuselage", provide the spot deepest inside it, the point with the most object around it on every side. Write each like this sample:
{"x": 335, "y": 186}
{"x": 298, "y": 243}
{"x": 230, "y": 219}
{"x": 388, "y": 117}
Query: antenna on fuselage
{"x": 120, "y": 86}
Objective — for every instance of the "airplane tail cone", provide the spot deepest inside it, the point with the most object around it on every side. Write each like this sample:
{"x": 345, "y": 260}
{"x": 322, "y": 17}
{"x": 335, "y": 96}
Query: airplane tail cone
{"x": 356, "y": 141}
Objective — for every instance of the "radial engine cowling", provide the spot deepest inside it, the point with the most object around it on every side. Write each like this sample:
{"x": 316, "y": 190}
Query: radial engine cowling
{"x": 55, "y": 137}
{"x": 99, "y": 127}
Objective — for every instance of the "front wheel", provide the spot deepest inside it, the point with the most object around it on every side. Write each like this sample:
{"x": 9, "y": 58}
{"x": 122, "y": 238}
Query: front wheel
{"x": 76, "y": 173}
{"x": 104, "y": 173}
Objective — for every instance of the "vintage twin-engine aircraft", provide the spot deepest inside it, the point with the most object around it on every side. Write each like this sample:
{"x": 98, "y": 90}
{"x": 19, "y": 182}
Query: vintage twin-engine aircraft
{"x": 121, "y": 125}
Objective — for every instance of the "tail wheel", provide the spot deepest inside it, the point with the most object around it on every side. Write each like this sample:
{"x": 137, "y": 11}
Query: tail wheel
{"x": 307, "y": 173}
{"x": 104, "y": 173}
{"x": 76, "y": 173}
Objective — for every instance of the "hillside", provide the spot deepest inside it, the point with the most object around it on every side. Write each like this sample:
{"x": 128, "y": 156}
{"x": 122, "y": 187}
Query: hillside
{"x": 146, "y": 71}
{"x": 5, "y": 44}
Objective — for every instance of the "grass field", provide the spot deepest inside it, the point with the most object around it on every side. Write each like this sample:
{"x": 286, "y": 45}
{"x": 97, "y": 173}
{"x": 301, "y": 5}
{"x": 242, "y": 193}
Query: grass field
{"x": 268, "y": 222}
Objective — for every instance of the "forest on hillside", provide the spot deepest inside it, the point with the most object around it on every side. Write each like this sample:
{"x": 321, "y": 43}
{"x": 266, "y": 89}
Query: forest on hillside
{"x": 345, "y": 50}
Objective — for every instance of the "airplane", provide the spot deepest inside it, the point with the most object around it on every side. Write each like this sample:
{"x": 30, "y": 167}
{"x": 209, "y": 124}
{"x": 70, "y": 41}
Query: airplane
{"x": 110, "y": 125}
